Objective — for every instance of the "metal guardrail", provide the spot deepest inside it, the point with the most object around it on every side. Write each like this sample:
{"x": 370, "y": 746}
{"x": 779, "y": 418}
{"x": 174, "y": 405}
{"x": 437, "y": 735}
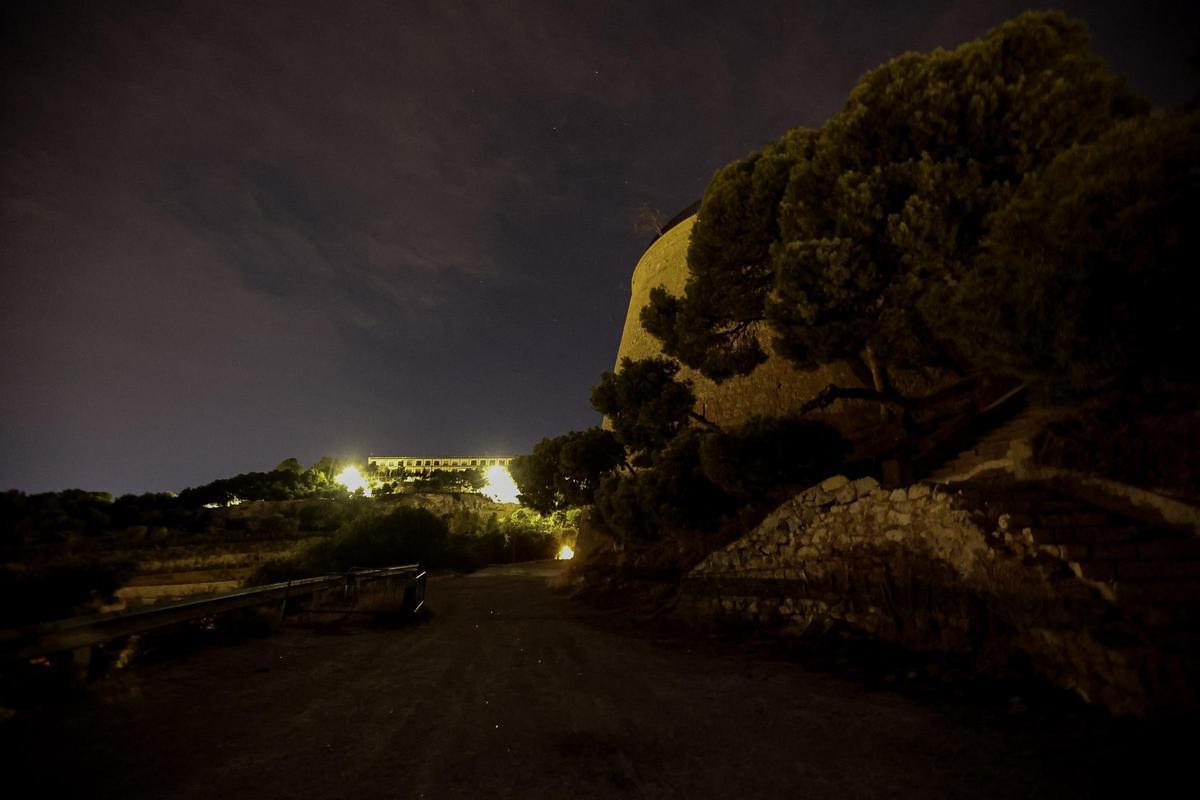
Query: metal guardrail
{"x": 77, "y": 633}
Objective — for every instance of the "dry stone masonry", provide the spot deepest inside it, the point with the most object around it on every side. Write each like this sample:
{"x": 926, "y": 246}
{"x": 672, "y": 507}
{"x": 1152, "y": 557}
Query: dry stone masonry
{"x": 930, "y": 569}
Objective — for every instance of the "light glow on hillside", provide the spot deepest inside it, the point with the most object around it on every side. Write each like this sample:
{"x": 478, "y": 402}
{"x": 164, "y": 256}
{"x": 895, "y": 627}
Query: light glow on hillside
{"x": 500, "y": 485}
{"x": 565, "y": 553}
{"x": 353, "y": 480}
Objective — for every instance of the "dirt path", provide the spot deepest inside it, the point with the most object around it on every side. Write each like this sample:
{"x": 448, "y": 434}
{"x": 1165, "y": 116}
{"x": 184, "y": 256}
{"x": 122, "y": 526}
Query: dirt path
{"x": 511, "y": 691}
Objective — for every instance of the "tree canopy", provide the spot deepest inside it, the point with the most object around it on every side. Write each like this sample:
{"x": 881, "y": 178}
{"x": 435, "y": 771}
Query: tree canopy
{"x": 645, "y": 403}
{"x": 564, "y": 471}
{"x": 832, "y": 238}
{"x": 1089, "y": 274}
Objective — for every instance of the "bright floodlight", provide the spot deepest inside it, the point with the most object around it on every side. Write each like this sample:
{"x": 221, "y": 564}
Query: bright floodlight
{"x": 565, "y": 553}
{"x": 353, "y": 480}
{"x": 500, "y": 486}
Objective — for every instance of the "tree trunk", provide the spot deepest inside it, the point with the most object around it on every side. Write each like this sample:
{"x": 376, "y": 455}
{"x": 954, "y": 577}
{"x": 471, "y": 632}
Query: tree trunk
{"x": 879, "y": 379}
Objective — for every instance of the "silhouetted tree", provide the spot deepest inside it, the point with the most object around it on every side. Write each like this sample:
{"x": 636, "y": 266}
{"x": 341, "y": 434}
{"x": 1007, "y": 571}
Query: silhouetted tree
{"x": 645, "y": 403}
{"x": 671, "y": 496}
{"x": 648, "y": 220}
{"x": 564, "y": 471}
{"x": 1089, "y": 274}
{"x": 716, "y": 326}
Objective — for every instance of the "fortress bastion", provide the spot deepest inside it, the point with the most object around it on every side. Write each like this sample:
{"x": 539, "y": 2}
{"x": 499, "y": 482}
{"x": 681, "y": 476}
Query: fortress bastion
{"x": 773, "y": 389}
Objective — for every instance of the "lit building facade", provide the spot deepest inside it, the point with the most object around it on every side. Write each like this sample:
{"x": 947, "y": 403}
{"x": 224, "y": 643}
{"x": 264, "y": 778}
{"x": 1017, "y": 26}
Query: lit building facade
{"x": 430, "y": 464}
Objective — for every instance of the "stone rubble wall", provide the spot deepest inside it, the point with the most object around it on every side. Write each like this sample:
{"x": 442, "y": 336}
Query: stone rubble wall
{"x": 915, "y": 566}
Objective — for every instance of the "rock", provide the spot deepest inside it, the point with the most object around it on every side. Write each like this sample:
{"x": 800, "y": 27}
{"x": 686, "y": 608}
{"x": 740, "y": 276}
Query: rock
{"x": 834, "y": 483}
{"x": 846, "y": 495}
{"x": 898, "y": 495}
{"x": 864, "y": 486}
{"x": 898, "y": 518}
{"x": 917, "y": 491}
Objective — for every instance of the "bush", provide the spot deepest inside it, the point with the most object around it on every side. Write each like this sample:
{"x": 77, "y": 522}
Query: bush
{"x": 671, "y": 495}
{"x": 59, "y": 589}
{"x": 470, "y": 480}
{"x": 1090, "y": 273}
{"x": 1154, "y": 443}
{"x": 413, "y": 535}
{"x": 644, "y": 402}
{"x": 564, "y": 471}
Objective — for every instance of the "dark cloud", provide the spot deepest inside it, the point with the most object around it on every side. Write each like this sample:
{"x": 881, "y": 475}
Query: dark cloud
{"x": 232, "y": 233}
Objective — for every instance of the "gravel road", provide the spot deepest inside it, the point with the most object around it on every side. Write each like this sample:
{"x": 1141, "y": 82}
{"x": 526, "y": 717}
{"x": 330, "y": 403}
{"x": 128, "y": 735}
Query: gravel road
{"x": 510, "y": 690}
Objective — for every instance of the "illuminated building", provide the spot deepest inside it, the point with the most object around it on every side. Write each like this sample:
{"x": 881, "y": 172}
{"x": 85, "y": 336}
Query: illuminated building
{"x": 430, "y": 464}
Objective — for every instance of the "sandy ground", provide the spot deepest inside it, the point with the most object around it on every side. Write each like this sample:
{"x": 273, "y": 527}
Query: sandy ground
{"x": 510, "y": 690}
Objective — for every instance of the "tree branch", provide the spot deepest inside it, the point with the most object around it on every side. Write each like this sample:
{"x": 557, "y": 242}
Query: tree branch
{"x": 831, "y": 393}
{"x": 741, "y": 326}
{"x": 704, "y": 420}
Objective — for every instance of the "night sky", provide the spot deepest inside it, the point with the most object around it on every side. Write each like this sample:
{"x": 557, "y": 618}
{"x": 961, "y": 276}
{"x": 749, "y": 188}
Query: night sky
{"x": 237, "y": 232}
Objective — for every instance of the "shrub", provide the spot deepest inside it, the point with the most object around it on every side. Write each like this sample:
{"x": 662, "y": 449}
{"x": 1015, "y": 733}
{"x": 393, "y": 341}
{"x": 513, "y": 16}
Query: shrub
{"x": 59, "y": 589}
{"x": 671, "y": 495}
{"x": 1152, "y": 443}
{"x": 414, "y": 535}
{"x": 565, "y": 471}
{"x": 1090, "y": 274}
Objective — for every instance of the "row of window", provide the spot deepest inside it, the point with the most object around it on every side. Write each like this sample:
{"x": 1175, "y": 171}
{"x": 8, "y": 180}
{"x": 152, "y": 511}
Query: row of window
{"x": 439, "y": 462}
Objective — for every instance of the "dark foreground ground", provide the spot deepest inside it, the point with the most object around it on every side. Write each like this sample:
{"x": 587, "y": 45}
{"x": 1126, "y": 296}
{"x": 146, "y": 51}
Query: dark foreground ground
{"x": 510, "y": 690}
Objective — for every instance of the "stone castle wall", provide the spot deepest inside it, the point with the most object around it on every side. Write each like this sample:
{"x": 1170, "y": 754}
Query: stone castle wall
{"x": 773, "y": 389}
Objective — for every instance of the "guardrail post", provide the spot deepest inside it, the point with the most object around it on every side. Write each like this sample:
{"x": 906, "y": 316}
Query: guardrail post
{"x": 81, "y": 665}
{"x": 283, "y": 609}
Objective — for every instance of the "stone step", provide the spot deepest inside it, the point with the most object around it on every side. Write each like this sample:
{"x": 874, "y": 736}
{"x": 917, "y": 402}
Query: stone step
{"x": 1073, "y": 519}
{"x": 1132, "y": 551}
{"x": 1169, "y": 619}
{"x": 985, "y": 451}
{"x": 1175, "y": 640}
{"x": 1030, "y": 506}
{"x": 1182, "y": 549}
{"x": 1073, "y": 552}
{"x": 1151, "y": 570}
{"x": 1160, "y": 550}
{"x": 960, "y": 461}
{"x": 1094, "y": 570}
{"x": 1009, "y": 435}
{"x": 1093, "y": 535}
{"x": 1171, "y": 591}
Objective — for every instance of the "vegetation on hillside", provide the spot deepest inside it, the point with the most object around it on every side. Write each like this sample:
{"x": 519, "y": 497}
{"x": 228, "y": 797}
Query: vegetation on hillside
{"x": 409, "y": 535}
{"x": 564, "y": 471}
{"x": 63, "y": 553}
{"x": 60, "y": 588}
